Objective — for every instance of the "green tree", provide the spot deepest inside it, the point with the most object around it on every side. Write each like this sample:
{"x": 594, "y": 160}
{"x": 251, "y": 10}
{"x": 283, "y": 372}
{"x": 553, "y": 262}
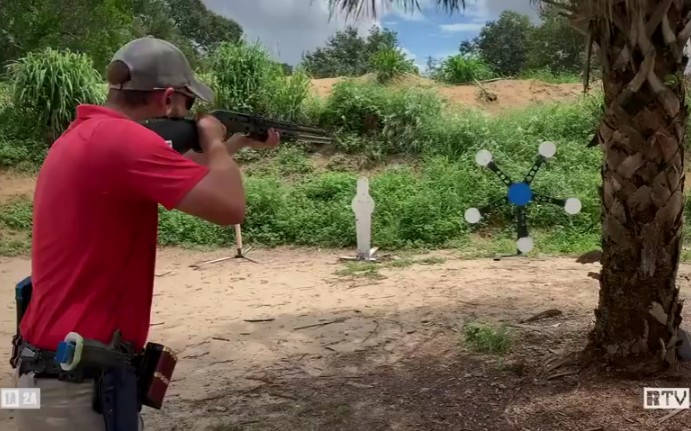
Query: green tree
{"x": 431, "y": 65}
{"x": 204, "y": 28}
{"x": 642, "y": 194}
{"x": 469, "y": 47}
{"x": 99, "y": 27}
{"x": 153, "y": 18}
{"x": 555, "y": 45}
{"x": 287, "y": 69}
{"x": 503, "y": 44}
{"x": 347, "y": 53}
{"x": 96, "y": 28}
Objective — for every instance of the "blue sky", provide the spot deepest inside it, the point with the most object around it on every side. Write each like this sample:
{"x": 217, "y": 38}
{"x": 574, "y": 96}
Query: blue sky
{"x": 288, "y": 28}
{"x": 433, "y": 32}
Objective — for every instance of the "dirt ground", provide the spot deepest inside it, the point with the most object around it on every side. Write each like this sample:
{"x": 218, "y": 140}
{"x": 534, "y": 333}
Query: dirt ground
{"x": 511, "y": 93}
{"x": 297, "y": 342}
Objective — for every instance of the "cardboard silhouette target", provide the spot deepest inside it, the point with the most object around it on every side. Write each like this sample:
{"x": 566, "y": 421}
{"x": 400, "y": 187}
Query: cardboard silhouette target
{"x": 363, "y": 208}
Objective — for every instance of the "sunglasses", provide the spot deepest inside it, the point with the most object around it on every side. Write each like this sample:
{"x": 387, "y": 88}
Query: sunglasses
{"x": 189, "y": 98}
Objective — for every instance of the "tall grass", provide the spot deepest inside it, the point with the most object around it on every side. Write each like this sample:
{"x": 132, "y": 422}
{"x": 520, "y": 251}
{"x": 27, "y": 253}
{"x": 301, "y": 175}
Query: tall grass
{"x": 49, "y": 84}
{"x": 379, "y": 120}
{"x": 246, "y": 79}
{"x": 288, "y": 95}
{"x": 548, "y": 76}
{"x": 390, "y": 63}
{"x": 460, "y": 69}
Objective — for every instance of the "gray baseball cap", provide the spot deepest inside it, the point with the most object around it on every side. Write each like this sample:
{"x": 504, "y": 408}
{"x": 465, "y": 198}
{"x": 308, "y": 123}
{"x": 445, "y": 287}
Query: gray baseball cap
{"x": 156, "y": 64}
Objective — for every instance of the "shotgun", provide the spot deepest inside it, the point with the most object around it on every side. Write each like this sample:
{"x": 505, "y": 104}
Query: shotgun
{"x": 181, "y": 133}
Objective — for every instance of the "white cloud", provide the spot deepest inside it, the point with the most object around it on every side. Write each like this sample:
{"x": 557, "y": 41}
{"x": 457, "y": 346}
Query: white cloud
{"x": 408, "y": 53}
{"x": 461, "y": 27}
{"x": 288, "y": 28}
{"x": 488, "y": 10}
{"x": 409, "y": 15}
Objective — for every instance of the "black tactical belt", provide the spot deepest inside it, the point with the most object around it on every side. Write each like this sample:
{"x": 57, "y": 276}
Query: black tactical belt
{"x": 42, "y": 364}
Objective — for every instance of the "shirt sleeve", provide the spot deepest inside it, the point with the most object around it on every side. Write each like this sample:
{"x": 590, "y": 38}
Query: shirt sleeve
{"x": 148, "y": 168}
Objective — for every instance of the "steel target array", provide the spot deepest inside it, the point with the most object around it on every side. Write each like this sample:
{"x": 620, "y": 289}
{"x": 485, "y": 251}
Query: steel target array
{"x": 520, "y": 195}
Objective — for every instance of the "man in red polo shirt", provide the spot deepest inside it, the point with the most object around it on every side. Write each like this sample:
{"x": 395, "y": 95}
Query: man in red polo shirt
{"x": 95, "y": 217}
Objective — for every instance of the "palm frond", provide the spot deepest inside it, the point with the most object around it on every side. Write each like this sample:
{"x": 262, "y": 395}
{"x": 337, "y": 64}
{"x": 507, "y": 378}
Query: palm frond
{"x": 360, "y": 8}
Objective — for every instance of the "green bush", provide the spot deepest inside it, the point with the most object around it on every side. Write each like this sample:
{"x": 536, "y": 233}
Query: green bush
{"x": 21, "y": 147}
{"x": 246, "y": 79}
{"x": 390, "y": 63}
{"x": 546, "y": 75}
{"x": 373, "y": 119}
{"x": 388, "y": 119}
{"x": 460, "y": 69}
{"x": 242, "y": 73}
{"x": 48, "y": 85}
{"x": 288, "y": 95}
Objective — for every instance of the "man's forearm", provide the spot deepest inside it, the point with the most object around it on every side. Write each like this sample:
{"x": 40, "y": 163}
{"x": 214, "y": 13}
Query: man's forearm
{"x": 233, "y": 145}
{"x": 218, "y": 158}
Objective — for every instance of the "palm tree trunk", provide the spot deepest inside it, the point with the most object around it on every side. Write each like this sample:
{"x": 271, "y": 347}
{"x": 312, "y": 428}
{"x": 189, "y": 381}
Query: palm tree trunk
{"x": 642, "y": 191}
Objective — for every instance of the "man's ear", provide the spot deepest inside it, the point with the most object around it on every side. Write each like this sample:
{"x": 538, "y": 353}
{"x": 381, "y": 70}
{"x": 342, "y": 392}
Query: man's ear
{"x": 166, "y": 99}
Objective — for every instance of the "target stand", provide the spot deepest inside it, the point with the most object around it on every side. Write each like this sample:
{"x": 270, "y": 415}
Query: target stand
{"x": 520, "y": 195}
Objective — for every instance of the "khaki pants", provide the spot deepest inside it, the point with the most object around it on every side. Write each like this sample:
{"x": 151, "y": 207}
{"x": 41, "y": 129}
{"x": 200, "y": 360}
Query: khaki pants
{"x": 65, "y": 406}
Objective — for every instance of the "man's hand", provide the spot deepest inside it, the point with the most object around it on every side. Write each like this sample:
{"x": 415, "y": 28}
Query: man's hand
{"x": 237, "y": 142}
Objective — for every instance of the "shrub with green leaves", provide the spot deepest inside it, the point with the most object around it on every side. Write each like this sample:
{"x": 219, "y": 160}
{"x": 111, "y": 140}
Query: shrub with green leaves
{"x": 386, "y": 119}
{"x": 48, "y": 85}
{"x": 462, "y": 69}
{"x": 242, "y": 75}
{"x": 208, "y": 78}
{"x": 287, "y": 96}
{"x": 246, "y": 79}
{"x": 546, "y": 75}
{"x": 390, "y": 63}
{"x": 21, "y": 148}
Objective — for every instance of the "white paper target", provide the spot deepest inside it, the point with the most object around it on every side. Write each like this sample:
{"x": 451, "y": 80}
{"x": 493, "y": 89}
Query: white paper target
{"x": 472, "y": 215}
{"x": 572, "y": 206}
{"x": 525, "y": 244}
{"x": 483, "y": 158}
{"x": 547, "y": 149}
